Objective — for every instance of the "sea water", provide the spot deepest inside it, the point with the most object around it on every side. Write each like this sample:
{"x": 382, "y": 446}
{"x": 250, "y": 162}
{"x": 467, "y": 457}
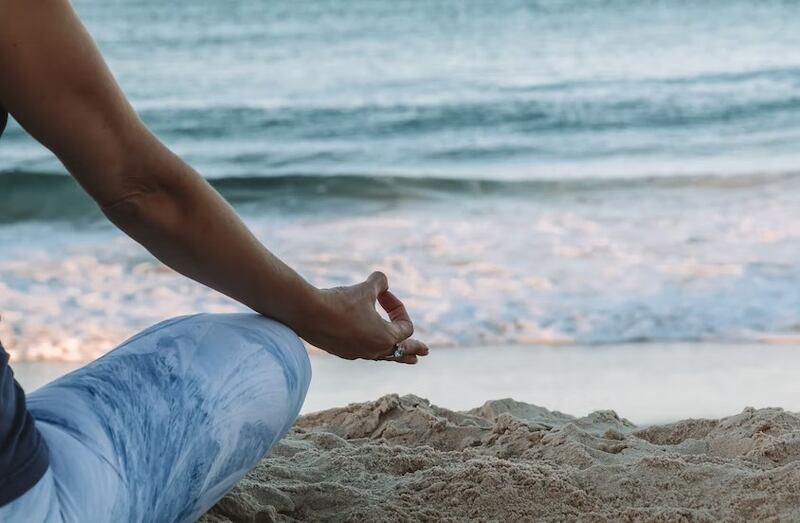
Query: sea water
{"x": 526, "y": 172}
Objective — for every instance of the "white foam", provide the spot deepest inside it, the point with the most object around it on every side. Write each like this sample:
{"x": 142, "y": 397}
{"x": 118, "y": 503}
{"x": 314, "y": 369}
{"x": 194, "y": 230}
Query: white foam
{"x": 602, "y": 267}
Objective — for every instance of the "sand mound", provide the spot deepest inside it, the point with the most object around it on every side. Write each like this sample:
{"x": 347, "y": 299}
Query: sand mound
{"x": 403, "y": 459}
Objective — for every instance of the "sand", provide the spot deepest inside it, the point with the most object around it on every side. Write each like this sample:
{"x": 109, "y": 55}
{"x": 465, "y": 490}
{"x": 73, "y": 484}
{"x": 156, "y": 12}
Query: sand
{"x": 403, "y": 459}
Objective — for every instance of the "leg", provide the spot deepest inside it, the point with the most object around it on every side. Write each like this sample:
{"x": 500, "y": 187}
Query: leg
{"x": 39, "y": 504}
{"x": 162, "y": 427}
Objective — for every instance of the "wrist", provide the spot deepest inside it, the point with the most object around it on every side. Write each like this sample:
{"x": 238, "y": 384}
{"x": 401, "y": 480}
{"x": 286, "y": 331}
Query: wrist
{"x": 308, "y": 311}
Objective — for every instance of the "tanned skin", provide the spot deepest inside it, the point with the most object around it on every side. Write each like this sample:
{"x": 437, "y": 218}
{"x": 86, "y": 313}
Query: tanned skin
{"x": 55, "y": 83}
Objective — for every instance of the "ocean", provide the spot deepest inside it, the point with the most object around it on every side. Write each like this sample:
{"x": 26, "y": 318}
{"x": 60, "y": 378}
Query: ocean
{"x": 526, "y": 172}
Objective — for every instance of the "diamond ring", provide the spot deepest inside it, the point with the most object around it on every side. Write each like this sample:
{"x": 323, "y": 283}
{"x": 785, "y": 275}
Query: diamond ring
{"x": 397, "y": 351}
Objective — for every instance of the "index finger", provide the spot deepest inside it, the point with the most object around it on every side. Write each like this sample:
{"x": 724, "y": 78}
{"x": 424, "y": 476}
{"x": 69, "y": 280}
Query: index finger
{"x": 403, "y": 328}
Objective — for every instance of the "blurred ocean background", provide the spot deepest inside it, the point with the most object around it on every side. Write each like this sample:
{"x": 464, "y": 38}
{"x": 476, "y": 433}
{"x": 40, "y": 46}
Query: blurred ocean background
{"x": 526, "y": 172}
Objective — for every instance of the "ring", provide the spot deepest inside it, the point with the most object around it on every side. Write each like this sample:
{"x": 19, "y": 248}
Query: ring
{"x": 398, "y": 351}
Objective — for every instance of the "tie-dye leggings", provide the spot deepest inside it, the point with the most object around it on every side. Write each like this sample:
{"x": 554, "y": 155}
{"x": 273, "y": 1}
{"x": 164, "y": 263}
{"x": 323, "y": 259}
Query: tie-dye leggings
{"x": 160, "y": 428}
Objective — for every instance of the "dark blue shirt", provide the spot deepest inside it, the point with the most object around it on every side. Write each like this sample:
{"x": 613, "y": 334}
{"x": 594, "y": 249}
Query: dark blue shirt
{"x": 23, "y": 453}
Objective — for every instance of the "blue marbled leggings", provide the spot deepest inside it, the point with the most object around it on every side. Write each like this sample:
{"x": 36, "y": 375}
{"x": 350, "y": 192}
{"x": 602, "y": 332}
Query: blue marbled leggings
{"x": 160, "y": 428}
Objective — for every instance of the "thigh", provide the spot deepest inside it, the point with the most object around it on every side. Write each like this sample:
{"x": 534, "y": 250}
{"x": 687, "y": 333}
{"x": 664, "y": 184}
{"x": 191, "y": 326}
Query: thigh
{"x": 173, "y": 418}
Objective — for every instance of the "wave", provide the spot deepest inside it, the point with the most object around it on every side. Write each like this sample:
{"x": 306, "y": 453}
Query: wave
{"x": 28, "y": 196}
{"x": 678, "y": 102}
{"x": 703, "y": 120}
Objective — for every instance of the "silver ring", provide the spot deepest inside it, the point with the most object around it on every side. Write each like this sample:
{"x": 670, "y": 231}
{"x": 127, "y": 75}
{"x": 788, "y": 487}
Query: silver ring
{"x": 397, "y": 351}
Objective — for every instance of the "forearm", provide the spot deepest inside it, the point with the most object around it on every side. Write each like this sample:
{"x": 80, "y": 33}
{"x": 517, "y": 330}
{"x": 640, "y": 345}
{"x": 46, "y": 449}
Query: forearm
{"x": 177, "y": 216}
{"x": 62, "y": 92}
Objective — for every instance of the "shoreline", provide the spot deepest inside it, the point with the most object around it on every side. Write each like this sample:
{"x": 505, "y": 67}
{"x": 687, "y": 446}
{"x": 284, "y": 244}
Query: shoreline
{"x": 652, "y": 383}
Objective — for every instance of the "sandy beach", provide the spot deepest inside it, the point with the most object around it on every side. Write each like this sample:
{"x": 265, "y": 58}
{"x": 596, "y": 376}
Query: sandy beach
{"x": 587, "y": 210}
{"x": 404, "y": 459}
{"x": 401, "y": 458}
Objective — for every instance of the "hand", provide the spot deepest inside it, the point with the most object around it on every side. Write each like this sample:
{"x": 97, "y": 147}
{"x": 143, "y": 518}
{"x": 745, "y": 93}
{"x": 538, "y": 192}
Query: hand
{"x": 348, "y": 325}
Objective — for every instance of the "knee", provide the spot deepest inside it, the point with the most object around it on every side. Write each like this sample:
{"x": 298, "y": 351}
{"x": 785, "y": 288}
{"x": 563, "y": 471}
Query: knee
{"x": 248, "y": 349}
{"x": 269, "y": 342}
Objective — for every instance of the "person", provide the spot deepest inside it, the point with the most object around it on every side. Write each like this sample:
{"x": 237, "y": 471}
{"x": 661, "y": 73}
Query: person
{"x": 160, "y": 428}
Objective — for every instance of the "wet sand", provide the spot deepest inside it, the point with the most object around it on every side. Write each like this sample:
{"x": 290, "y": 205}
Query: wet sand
{"x": 649, "y": 383}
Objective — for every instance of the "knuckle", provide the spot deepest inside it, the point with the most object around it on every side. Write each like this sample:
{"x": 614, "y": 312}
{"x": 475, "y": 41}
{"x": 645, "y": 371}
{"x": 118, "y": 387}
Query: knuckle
{"x": 379, "y": 349}
{"x": 387, "y": 341}
{"x": 381, "y": 278}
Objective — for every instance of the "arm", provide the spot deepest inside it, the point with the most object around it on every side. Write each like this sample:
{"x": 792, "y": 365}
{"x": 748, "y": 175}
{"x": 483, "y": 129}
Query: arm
{"x": 55, "y": 83}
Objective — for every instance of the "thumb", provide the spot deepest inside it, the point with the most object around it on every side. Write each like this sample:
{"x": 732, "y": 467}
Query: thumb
{"x": 377, "y": 283}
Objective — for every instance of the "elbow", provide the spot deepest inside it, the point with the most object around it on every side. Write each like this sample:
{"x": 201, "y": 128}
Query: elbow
{"x": 143, "y": 212}
{"x": 156, "y": 210}
{"x": 129, "y": 177}
{"x": 140, "y": 196}
{"x": 153, "y": 191}
{"x": 126, "y": 210}
{"x": 151, "y": 219}
{"x": 129, "y": 197}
